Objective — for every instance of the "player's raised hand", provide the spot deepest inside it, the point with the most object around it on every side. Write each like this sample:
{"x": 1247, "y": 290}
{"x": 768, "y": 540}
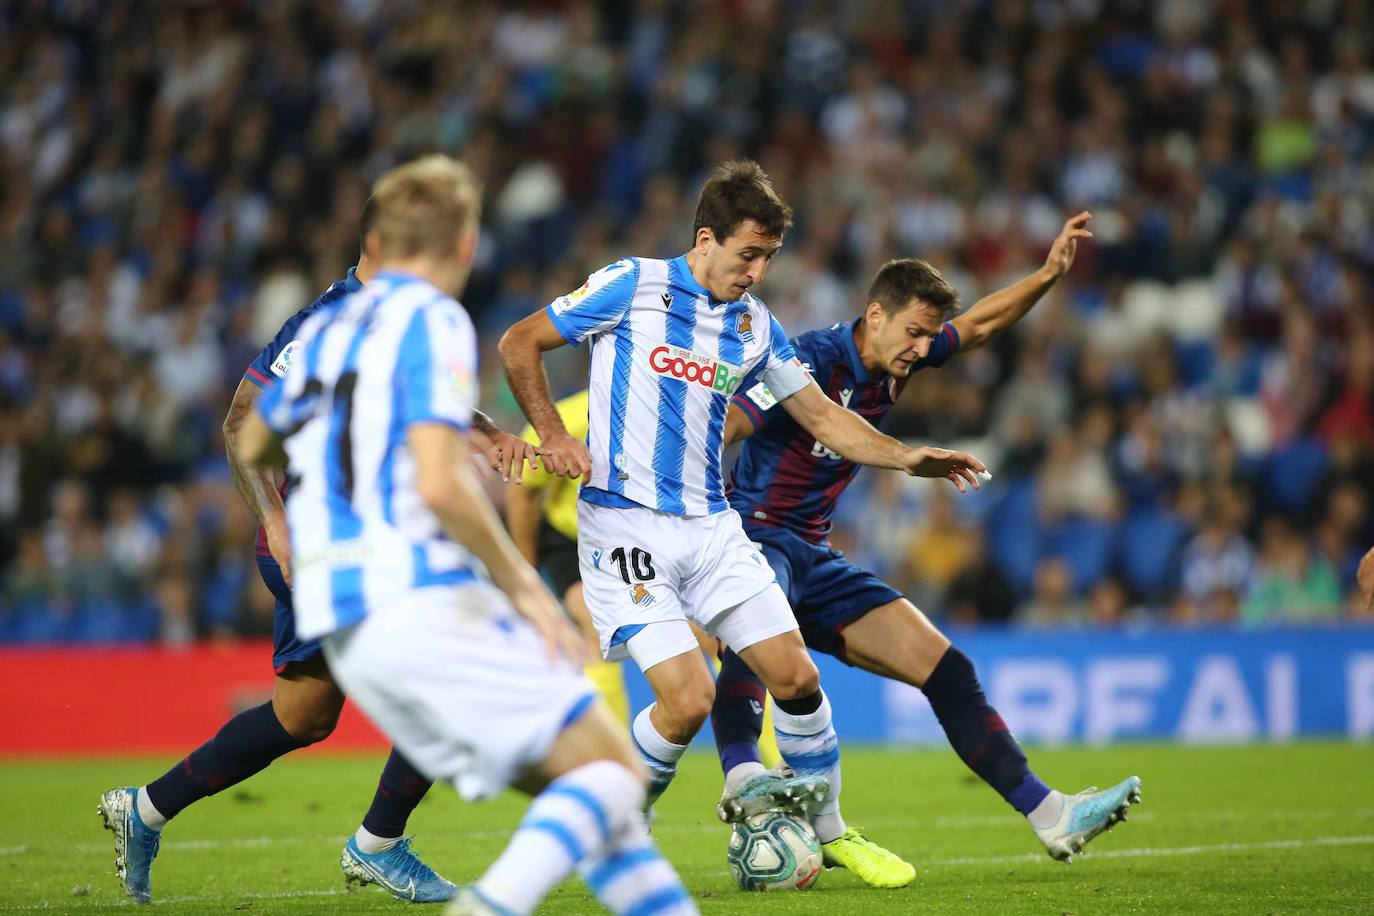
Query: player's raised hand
{"x": 960, "y": 468}
{"x": 1065, "y": 247}
{"x": 533, "y": 601}
{"x": 565, "y": 456}
{"x": 1365, "y": 577}
{"x": 508, "y": 454}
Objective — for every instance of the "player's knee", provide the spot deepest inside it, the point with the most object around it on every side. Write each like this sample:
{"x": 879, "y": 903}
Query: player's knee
{"x": 799, "y": 679}
{"x": 687, "y": 710}
{"x": 306, "y": 715}
{"x": 309, "y": 726}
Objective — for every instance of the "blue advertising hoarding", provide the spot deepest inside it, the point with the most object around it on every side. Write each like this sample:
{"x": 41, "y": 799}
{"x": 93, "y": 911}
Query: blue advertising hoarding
{"x": 1098, "y": 687}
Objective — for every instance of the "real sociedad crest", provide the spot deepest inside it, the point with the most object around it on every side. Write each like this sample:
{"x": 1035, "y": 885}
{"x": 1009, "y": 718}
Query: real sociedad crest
{"x": 745, "y": 328}
{"x": 641, "y": 595}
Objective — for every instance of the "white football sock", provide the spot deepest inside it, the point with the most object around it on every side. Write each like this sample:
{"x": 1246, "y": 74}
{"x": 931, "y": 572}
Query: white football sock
{"x": 742, "y": 771}
{"x": 147, "y": 813}
{"x": 631, "y": 876}
{"x": 572, "y": 820}
{"x": 372, "y": 844}
{"x": 658, "y": 753}
{"x": 1048, "y": 812}
{"x": 808, "y": 745}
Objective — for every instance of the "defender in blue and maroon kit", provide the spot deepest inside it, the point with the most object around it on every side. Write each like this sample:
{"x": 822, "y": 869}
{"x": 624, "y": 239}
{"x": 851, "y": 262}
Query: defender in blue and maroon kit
{"x": 785, "y": 484}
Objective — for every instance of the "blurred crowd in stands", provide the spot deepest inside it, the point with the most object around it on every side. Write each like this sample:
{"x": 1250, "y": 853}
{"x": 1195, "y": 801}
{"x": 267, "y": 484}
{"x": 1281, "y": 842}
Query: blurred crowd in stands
{"x": 1183, "y": 430}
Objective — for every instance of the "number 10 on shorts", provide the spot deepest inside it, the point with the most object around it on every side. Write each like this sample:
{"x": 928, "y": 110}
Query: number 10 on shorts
{"x": 636, "y": 566}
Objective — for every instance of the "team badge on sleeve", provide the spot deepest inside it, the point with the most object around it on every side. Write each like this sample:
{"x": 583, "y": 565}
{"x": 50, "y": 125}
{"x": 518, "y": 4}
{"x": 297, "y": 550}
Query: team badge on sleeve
{"x": 282, "y": 363}
{"x": 461, "y": 380}
{"x": 594, "y": 282}
{"x": 563, "y": 303}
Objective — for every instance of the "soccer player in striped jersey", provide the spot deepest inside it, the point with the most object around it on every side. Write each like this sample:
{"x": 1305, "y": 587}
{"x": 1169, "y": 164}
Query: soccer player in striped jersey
{"x": 785, "y": 484}
{"x": 306, "y": 703}
{"x": 429, "y": 618}
{"x": 672, "y": 342}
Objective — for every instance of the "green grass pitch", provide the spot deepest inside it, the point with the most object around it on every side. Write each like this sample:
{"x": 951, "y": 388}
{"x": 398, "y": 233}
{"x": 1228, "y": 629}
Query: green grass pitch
{"x": 1222, "y": 830}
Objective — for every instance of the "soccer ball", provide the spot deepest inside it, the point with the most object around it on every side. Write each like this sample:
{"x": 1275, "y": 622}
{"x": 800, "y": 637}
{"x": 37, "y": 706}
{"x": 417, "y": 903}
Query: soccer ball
{"x": 774, "y": 851}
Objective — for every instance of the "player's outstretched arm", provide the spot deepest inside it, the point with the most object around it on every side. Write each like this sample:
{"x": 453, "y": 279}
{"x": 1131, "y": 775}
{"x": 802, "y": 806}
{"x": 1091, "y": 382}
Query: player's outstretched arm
{"x": 522, "y": 350}
{"x": 257, "y": 485}
{"x": 524, "y": 505}
{"x": 1004, "y": 308}
{"x": 855, "y": 438}
{"x": 451, "y": 490}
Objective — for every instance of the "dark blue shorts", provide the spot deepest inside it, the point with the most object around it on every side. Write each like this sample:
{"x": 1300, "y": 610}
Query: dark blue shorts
{"x": 286, "y": 648}
{"x": 826, "y": 591}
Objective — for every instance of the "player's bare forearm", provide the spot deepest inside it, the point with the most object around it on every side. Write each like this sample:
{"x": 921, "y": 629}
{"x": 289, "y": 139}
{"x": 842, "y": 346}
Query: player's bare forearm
{"x": 522, "y": 358}
{"x": 256, "y": 484}
{"x": 449, "y": 487}
{"x": 523, "y": 508}
{"x": 522, "y": 348}
{"x": 1000, "y": 310}
{"x": 485, "y": 425}
{"x": 844, "y": 431}
{"x": 1005, "y": 307}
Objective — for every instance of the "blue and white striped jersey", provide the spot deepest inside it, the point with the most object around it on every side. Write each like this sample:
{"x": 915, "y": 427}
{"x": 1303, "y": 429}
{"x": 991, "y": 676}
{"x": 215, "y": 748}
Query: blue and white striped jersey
{"x": 394, "y": 353}
{"x": 666, "y": 359}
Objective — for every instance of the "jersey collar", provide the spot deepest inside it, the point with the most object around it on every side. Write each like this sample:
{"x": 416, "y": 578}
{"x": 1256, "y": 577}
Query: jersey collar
{"x": 855, "y": 363}
{"x": 682, "y": 276}
{"x": 351, "y": 281}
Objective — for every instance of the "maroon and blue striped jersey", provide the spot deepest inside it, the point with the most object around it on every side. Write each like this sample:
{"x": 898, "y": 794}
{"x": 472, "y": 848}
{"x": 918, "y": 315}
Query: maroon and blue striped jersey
{"x": 270, "y": 365}
{"x": 783, "y": 476}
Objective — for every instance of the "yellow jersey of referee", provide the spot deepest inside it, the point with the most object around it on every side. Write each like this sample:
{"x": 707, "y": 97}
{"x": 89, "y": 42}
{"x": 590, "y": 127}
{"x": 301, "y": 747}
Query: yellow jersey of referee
{"x": 560, "y": 503}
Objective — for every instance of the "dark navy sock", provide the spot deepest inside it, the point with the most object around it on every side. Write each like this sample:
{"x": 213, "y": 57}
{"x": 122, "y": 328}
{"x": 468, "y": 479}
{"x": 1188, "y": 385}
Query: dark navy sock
{"x": 737, "y": 714}
{"x": 398, "y": 792}
{"x": 801, "y": 706}
{"x": 246, "y": 744}
{"x": 978, "y": 734}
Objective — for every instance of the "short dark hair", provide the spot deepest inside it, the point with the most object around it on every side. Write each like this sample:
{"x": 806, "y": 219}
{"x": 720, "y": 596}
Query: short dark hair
{"x": 899, "y": 282}
{"x": 739, "y": 191}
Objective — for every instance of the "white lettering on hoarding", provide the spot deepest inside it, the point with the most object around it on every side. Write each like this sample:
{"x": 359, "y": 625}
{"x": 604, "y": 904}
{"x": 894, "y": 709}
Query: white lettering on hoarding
{"x": 1038, "y": 698}
{"x": 1218, "y": 707}
{"x": 1359, "y": 696}
{"x": 1281, "y": 696}
{"x": 1120, "y": 696}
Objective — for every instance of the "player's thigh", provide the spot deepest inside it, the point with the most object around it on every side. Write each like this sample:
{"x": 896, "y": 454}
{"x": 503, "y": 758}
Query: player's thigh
{"x": 593, "y": 737}
{"x": 461, "y": 684}
{"x": 895, "y": 640}
{"x": 763, "y": 632}
{"x": 670, "y": 657}
{"x": 726, "y": 569}
{"x": 630, "y": 563}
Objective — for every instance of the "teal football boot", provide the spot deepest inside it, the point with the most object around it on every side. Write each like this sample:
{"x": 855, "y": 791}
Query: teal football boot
{"x": 398, "y": 870}
{"x": 1086, "y": 815}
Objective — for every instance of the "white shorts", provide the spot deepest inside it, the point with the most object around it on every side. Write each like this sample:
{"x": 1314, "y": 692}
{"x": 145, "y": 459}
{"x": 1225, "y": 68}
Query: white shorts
{"x": 460, "y": 683}
{"x": 640, "y": 567}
